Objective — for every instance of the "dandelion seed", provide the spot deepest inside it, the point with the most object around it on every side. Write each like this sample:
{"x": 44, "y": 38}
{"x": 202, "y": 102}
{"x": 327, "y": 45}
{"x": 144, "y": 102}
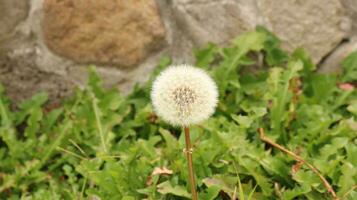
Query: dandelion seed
{"x": 183, "y": 95}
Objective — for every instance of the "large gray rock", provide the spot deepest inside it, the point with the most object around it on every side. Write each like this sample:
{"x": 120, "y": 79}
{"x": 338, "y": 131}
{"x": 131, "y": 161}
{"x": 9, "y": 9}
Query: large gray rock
{"x": 314, "y": 25}
{"x": 22, "y": 79}
{"x": 214, "y": 21}
{"x": 194, "y": 23}
{"x": 332, "y": 63}
{"x": 350, "y": 7}
{"x": 318, "y": 26}
{"x": 12, "y": 12}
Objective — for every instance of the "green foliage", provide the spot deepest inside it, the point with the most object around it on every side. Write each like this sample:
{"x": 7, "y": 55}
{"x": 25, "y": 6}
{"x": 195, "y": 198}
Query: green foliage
{"x": 101, "y": 145}
{"x": 350, "y": 67}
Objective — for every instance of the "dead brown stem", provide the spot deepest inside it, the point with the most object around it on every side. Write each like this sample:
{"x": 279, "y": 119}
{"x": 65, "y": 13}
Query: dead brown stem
{"x": 299, "y": 159}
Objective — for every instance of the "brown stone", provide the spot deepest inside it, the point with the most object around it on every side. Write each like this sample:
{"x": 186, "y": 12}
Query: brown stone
{"x": 110, "y": 32}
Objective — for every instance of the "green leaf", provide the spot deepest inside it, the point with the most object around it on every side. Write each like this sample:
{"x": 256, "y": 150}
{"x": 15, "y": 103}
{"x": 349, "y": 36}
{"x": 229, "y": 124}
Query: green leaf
{"x": 128, "y": 198}
{"x": 330, "y": 149}
{"x": 250, "y": 41}
{"x": 224, "y": 182}
{"x": 301, "y": 54}
{"x": 351, "y": 149}
{"x": 211, "y": 194}
{"x": 348, "y": 178}
{"x": 205, "y": 56}
{"x": 321, "y": 87}
{"x": 295, "y": 192}
{"x": 170, "y": 140}
{"x": 51, "y": 119}
{"x": 352, "y": 107}
{"x": 274, "y": 54}
{"x": 349, "y": 65}
{"x": 5, "y": 114}
{"x": 244, "y": 121}
{"x": 307, "y": 178}
{"x": 95, "y": 82}
{"x": 282, "y": 94}
{"x": 167, "y": 188}
{"x": 37, "y": 100}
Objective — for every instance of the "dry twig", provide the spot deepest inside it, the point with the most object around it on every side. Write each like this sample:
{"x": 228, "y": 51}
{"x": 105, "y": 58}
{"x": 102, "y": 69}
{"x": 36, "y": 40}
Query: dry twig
{"x": 299, "y": 159}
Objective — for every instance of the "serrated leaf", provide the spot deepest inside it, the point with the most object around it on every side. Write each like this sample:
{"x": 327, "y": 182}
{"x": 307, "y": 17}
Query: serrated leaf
{"x": 282, "y": 95}
{"x": 352, "y": 107}
{"x": 349, "y": 65}
{"x": 206, "y": 55}
{"x": 244, "y": 121}
{"x": 167, "y": 188}
{"x": 211, "y": 194}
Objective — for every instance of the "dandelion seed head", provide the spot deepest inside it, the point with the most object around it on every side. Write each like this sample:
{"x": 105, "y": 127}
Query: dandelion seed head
{"x": 183, "y": 95}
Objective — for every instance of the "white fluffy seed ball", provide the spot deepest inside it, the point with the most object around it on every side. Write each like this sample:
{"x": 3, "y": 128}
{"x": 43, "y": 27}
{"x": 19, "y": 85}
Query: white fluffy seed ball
{"x": 183, "y": 95}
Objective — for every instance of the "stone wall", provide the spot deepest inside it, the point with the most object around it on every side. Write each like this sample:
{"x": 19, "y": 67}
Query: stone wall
{"x": 46, "y": 45}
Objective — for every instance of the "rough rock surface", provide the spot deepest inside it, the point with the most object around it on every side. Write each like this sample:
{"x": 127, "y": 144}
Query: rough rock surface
{"x": 333, "y": 62}
{"x": 115, "y": 32}
{"x": 351, "y": 10}
{"x": 214, "y": 21}
{"x": 314, "y": 25}
{"x": 22, "y": 79}
{"x": 49, "y": 43}
{"x": 11, "y": 13}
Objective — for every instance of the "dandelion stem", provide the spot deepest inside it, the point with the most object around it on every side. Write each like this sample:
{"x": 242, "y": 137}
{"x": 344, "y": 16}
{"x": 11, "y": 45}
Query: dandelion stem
{"x": 188, "y": 152}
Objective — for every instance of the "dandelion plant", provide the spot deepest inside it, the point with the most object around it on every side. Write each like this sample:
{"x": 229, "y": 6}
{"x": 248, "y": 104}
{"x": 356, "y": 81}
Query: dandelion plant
{"x": 184, "y": 95}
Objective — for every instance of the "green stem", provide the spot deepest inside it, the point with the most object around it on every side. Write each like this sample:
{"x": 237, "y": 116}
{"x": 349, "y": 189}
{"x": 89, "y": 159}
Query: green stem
{"x": 3, "y": 113}
{"x": 83, "y": 188}
{"x": 99, "y": 123}
{"x": 341, "y": 100}
{"x": 55, "y": 144}
{"x": 67, "y": 124}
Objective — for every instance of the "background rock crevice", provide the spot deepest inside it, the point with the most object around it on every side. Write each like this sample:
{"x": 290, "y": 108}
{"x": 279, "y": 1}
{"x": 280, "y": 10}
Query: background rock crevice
{"x": 46, "y": 45}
